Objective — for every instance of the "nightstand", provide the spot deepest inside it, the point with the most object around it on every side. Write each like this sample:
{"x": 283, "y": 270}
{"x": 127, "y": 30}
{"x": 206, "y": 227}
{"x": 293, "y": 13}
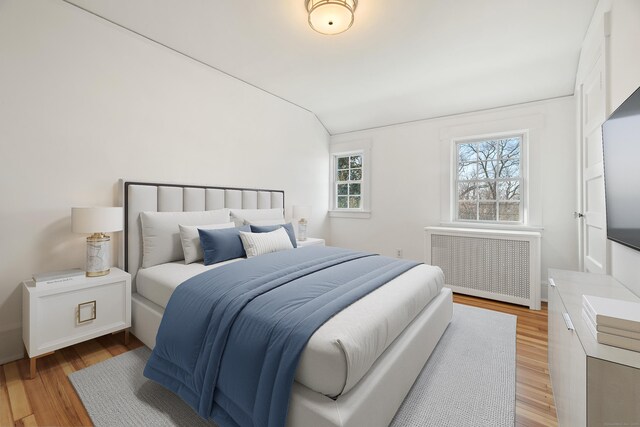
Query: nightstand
{"x": 311, "y": 241}
{"x": 59, "y": 315}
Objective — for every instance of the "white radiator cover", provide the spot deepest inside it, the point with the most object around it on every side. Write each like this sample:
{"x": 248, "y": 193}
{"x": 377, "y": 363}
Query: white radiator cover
{"x": 498, "y": 264}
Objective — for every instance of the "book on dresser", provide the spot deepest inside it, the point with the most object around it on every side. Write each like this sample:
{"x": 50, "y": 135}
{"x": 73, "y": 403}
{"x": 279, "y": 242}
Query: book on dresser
{"x": 610, "y": 339}
{"x": 613, "y": 313}
{"x": 612, "y": 322}
{"x": 58, "y": 277}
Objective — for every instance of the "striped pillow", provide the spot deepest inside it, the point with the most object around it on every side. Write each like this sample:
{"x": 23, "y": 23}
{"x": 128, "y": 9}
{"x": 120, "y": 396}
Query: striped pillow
{"x": 264, "y": 243}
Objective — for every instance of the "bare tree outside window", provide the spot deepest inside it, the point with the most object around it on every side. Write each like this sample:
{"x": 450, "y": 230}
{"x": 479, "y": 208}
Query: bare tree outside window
{"x": 489, "y": 180}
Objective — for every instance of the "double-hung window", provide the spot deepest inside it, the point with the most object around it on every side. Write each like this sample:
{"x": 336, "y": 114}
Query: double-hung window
{"x": 348, "y": 180}
{"x": 350, "y": 185}
{"x": 489, "y": 180}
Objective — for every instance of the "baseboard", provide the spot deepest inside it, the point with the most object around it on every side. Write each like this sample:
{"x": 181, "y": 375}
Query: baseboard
{"x": 12, "y": 347}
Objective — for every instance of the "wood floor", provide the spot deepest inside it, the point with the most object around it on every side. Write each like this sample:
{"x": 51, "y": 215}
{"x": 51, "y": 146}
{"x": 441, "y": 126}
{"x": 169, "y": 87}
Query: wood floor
{"x": 50, "y": 400}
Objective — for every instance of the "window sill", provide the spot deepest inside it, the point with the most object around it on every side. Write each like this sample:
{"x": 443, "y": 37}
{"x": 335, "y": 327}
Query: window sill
{"x": 349, "y": 214}
{"x": 492, "y": 226}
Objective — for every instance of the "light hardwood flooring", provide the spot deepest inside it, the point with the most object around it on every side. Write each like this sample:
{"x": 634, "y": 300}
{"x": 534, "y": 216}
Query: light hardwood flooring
{"x": 50, "y": 400}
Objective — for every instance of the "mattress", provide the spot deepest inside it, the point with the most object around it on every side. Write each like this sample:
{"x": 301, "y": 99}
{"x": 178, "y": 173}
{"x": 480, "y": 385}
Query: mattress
{"x": 157, "y": 283}
{"x": 343, "y": 350}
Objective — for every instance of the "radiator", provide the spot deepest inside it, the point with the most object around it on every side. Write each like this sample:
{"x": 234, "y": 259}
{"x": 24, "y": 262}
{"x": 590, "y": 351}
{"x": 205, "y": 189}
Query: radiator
{"x": 496, "y": 264}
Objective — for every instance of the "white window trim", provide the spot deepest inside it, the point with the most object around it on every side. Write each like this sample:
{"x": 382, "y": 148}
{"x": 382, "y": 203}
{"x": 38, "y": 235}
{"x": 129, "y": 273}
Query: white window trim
{"x": 342, "y": 149}
{"x": 524, "y": 171}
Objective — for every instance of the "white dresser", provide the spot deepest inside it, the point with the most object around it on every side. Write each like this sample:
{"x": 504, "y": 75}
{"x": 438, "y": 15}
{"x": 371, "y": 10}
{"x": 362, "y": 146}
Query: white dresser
{"x": 593, "y": 384}
{"x": 59, "y": 315}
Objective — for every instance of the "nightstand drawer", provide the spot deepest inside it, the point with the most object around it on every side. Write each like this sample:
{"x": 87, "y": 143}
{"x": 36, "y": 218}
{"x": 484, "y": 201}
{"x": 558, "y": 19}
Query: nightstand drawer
{"x": 61, "y": 319}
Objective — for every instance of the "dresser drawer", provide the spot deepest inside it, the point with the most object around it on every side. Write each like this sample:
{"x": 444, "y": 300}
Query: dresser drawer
{"x": 62, "y": 319}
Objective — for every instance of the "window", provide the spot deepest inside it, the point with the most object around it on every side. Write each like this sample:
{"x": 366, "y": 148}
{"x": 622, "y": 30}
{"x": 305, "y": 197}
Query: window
{"x": 488, "y": 185}
{"x": 348, "y": 176}
{"x": 350, "y": 179}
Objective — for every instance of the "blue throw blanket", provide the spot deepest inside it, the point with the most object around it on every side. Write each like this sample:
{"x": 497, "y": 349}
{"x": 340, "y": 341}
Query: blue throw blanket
{"x": 230, "y": 339}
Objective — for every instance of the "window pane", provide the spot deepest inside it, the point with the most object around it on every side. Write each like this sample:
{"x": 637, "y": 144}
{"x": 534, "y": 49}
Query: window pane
{"x": 467, "y": 171}
{"x": 487, "y": 170}
{"x": 342, "y": 189}
{"x": 354, "y": 189}
{"x": 342, "y": 202}
{"x": 343, "y": 175}
{"x": 354, "y": 202}
{"x": 467, "y": 153}
{"x": 487, "y": 211}
{"x": 509, "y": 211}
{"x": 467, "y": 190}
{"x": 343, "y": 163}
{"x": 356, "y": 161}
{"x": 509, "y": 190}
{"x": 356, "y": 175}
{"x": 509, "y": 168}
{"x": 509, "y": 148}
{"x": 487, "y": 190}
{"x": 487, "y": 150}
{"x": 467, "y": 210}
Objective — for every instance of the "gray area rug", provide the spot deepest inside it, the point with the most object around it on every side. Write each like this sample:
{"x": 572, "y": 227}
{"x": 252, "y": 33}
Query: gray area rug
{"x": 469, "y": 380}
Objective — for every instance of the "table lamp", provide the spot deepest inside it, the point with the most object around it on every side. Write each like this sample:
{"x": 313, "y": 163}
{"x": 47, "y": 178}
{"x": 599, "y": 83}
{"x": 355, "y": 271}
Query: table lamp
{"x": 97, "y": 221}
{"x": 302, "y": 213}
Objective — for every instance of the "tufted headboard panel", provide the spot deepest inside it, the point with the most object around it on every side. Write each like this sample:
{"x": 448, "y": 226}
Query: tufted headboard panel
{"x": 138, "y": 197}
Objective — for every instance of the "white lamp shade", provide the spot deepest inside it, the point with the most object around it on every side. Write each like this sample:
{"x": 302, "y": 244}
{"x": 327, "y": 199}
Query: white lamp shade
{"x": 300, "y": 211}
{"x": 97, "y": 220}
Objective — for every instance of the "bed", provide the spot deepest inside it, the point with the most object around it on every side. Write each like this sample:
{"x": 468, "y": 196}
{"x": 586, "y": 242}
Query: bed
{"x": 351, "y": 373}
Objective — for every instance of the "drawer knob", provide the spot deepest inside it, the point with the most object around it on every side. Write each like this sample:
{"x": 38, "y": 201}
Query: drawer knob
{"x": 84, "y": 306}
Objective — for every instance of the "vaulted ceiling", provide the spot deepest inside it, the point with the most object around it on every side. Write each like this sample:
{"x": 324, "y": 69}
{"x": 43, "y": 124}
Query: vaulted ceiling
{"x": 401, "y": 61}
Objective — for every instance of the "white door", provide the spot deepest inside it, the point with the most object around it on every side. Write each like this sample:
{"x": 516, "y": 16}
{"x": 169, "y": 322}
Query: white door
{"x": 593, "y": 114}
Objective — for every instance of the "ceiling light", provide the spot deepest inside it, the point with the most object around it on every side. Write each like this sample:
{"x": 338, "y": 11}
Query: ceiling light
{"x": 331, "y": 16}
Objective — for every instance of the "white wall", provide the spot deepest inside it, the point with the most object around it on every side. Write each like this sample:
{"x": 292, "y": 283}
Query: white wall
{"x": 84, "y": 103}
{"x": 623, "y": 80}
{"x": 410, "y": 179}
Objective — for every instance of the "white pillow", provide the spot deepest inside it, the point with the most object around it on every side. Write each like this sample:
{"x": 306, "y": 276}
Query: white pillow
{"x": 161, "y": 234}
{"x": 191, "y": 240}
{"x": 244, "y": 216}
{"x": 264, "y": 243}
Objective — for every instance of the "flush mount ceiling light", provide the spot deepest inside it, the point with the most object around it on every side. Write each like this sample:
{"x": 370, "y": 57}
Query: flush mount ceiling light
{"x": 331, "y": 16}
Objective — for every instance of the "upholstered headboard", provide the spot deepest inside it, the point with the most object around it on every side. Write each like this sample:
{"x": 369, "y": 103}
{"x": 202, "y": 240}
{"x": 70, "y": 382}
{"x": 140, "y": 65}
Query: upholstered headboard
{"x": 138, "y": 197}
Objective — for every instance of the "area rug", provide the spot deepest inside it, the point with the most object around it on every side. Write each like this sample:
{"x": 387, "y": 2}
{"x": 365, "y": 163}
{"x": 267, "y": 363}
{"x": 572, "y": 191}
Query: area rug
{"x": 469, "y": 380}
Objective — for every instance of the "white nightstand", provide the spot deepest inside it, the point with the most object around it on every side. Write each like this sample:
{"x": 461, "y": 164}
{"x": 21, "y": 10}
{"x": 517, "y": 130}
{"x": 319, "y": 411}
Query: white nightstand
{"x": 60, "y": 315}
{"x": 311, "y": 241}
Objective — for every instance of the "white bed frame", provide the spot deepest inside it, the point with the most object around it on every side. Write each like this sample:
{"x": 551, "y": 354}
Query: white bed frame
{"x": 374, "y": 400}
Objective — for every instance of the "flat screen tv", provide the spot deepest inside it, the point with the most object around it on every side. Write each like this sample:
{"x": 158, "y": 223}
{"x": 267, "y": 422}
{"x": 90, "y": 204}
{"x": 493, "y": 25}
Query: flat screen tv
{"x": 621, "y": 142}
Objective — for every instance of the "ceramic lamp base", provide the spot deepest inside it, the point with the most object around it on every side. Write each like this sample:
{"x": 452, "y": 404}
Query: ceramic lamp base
{"x": 98, "y": 249}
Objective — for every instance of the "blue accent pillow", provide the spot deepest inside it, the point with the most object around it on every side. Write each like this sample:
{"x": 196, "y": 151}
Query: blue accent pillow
{"x": 222, "y": 245}
{"x": 267, "y": 228}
